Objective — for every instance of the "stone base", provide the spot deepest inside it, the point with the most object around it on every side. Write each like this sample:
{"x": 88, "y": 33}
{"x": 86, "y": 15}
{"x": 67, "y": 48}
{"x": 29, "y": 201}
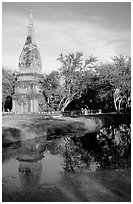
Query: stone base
{"x": 25, "y": 104}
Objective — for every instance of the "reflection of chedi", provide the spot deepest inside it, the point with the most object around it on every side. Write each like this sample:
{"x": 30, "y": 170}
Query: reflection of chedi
{"x": 31, "y": 149}
{"x": 30, "y": 174}
{"x": 27, "y": 97}
{"x": 30, "y": 157}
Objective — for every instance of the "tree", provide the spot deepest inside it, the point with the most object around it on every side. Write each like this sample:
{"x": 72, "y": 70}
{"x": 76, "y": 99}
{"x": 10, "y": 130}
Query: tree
{"x": 115, "y": 81}
{"x": 75, "y": 72}
{"x": 50, "y": 89}
{"x": 7, "y": 88}
{"x": 82, "y": 82}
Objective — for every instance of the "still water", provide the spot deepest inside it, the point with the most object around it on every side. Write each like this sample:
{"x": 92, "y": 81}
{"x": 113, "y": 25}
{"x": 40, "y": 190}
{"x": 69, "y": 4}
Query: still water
{"x": 64, "y": 169}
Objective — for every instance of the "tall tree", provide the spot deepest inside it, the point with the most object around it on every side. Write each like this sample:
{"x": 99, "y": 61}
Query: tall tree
{"x": 113, "y": 77}
{"x": 74, "y": 72}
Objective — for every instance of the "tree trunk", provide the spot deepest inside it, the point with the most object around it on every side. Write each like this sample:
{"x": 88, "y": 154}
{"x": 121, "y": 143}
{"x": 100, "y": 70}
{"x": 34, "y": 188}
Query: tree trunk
{"x": 61, "y": 101}
{"x": 68, "y": 100}
{"x": 3, "y": 109}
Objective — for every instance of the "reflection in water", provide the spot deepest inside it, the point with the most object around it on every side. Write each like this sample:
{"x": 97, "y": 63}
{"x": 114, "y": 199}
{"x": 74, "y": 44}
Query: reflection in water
{"x": 42, "y": 161}
{"x": 109, "y": 148}
{"x": 75, "y": 157}
{"x": 30, "y": 156}
{"x": 30, "y": 174}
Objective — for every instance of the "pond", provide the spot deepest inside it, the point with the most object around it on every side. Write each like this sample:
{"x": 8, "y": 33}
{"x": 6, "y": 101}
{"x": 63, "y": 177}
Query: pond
{"x": 93, "y": 168}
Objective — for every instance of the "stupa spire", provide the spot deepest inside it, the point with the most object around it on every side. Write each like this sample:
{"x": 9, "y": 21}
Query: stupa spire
{"x": 30, "y": 28}
{"x": 30, "y": 59}
{"x": 31, "y": 14}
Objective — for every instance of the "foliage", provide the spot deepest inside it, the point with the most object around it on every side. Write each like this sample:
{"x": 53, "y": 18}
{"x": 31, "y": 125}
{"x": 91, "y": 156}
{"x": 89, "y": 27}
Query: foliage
{"x": 51, "y": 90}
{"x": 76, "y": 73}
{"x": 81, "y": 83}
{"x": 112, "y": 76}
{"x": 7, "y": 86}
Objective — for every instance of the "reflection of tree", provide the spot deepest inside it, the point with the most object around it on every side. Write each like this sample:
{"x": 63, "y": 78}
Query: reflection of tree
{"x": 10, "y": 151}
{"x": 57, "y": 146}
{"x": 115, "y": 142}
{"x": 75, "y": 157}
{"x": 109, "y": 148}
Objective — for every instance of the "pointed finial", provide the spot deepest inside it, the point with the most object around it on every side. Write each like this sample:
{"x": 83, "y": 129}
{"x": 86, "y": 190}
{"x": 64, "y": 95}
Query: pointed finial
{"x": 30, "y": 26}
{"x": 31, "y": 14}
{"x": 31, "y": 20}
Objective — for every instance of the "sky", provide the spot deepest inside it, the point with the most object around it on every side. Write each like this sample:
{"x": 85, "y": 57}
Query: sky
{"x": 101, "y": 29}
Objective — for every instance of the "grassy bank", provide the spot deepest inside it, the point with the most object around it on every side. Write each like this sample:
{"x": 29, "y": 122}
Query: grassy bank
{"x": 21, "y": 127}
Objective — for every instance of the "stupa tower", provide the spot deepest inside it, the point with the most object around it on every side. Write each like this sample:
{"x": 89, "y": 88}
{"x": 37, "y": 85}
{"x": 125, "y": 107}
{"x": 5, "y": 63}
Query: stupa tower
{"x": 30, "y": 59}
{"x": 28, "y": 97}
